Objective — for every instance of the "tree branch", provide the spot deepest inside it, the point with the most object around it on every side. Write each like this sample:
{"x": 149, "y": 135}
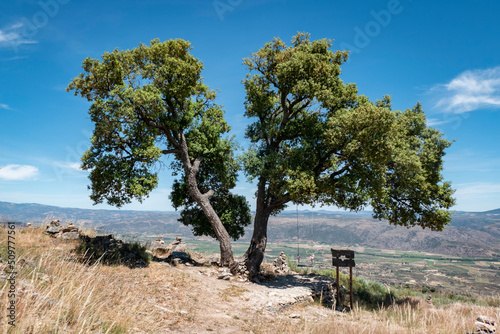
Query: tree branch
{"x": 196, "y": 164}
{"x": 209, "y": 194}
{"x": 341, "y": 171}
{"x": 281, "y": 201}
{"x": 172, "y": 151}
{"x": 285, "y": 109}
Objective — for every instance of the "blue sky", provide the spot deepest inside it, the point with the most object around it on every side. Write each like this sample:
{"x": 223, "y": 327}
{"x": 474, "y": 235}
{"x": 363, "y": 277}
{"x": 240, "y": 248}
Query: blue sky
{"x": 445, "y": 54}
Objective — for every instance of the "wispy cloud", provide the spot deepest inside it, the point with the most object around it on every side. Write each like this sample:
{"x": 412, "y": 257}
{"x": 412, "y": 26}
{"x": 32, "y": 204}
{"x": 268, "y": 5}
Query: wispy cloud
{"x": 13, "y": 58}
{"x": 478, "y": 196}
{"x": 478, "y": 188}
{"x": 75, "y": 166}
{"x": 470, "y": 90}
{"x": 435, "y": 121}
{"x": 4, "y": 106}
{"x": 18, "y": 172}
{"x": 12, "y": 36}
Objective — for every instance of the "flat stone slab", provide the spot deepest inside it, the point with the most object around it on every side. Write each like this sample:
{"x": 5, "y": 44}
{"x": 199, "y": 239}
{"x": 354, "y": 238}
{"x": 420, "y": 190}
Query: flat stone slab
{"x": 287, "y": 290}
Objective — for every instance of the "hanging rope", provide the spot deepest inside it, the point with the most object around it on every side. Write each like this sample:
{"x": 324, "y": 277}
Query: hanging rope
{"x": 312, "y": 222}
{"x": 298, "y": 238}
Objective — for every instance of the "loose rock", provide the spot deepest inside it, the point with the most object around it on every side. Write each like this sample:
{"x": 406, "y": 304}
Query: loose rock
{"x": 56, "y": 230}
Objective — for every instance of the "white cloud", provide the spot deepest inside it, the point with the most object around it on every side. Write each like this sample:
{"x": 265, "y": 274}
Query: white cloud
{"x": 18, "y": 172}
{"x": 477, "y": 196}
{"x": 4, "y": 106}
{"x": 470, "y": 90}
{"x": 75, "y": 166}
{"x": 435, "y": 121}
{"x": 12, "y": 36}
{"x": 478, "y": 188}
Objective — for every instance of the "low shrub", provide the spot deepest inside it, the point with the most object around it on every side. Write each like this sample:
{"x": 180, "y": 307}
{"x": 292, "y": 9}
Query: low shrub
{"x": 110, "y": 251}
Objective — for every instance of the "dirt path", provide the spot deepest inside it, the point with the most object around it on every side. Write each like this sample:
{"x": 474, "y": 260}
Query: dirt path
{"x": 232, "y": 306}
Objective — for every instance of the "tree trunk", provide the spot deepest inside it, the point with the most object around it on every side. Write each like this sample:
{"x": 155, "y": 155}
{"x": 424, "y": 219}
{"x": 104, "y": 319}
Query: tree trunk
{"x": 226, "y": 252}
{"x": 255, "y": 253}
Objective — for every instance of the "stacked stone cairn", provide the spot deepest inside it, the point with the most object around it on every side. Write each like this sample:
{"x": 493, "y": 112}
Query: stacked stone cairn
{"x": 280, "y": 266}
{"x": 485, "y": 325}
{"x": 56, "y": 230}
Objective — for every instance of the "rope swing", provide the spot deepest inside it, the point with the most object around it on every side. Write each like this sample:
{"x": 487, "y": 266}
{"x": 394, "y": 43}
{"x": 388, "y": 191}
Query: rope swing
{"x": 298, "y": 237}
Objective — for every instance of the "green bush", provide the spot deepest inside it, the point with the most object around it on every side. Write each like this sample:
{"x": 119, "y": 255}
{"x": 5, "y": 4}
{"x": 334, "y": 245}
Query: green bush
{"x": 372, "y": 294}
{"x": 110, "y": 251}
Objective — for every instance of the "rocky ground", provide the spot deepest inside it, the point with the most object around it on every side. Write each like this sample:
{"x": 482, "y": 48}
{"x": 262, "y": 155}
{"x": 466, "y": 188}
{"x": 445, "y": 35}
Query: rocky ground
{"x": 232, "y": 306}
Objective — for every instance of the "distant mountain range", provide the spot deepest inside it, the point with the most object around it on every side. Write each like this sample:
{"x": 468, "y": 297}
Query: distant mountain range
{"x": 470, "y": 233}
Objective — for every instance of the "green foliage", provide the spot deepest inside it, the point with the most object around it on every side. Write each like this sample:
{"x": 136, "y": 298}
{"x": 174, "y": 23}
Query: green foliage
{"x": 315, "y": 140}
{"x": 373, "y": 294}
{"x": 111, "y": 252}
{"x": 148, "y": 102}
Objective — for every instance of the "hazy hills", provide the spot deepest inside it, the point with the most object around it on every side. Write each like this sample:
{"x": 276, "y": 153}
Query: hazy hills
{"x": 470, "y": 233}
{"x": 132, "y": 223}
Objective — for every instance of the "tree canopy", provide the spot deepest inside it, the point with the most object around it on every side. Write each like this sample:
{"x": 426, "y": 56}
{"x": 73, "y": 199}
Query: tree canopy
{"x": 316, "y": 140}
{"x": 148, "y": 102}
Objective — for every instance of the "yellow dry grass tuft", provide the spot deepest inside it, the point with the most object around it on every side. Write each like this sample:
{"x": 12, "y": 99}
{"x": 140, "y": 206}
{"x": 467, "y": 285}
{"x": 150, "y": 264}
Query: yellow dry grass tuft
{"x": 56, "y": 294}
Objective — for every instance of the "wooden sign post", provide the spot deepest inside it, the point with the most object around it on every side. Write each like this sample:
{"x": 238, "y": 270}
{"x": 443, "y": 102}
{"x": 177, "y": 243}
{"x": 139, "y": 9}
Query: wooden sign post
{"x": 343, "y": 258}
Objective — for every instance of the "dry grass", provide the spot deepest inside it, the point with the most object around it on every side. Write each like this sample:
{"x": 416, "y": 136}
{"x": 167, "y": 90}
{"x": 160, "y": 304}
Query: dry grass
{"x": 233, "y": 291}
{"x": 57, "y": 294}
{"x": 456, "y": 318}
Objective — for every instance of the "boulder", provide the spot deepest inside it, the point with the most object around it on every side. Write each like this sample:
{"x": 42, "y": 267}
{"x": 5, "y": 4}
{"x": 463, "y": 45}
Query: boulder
{"x": 51, "y": 230}
{"x": 69, "y": 228}
{"x": 160, "y": 250}
{"x": 485, "y": 324}
{"x": 179, "y": 248}
{"x": 56, "y": 230}
{"x": 70, "y": 235}
{"x": 178, "y": 245}
{"x": 213, "y": 259}
{"x": 224, "y": 274}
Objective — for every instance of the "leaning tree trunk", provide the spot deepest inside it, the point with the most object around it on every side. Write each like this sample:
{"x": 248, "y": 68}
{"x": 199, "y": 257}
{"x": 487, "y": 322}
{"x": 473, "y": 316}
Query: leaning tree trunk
{"x": 226, "y": 252}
